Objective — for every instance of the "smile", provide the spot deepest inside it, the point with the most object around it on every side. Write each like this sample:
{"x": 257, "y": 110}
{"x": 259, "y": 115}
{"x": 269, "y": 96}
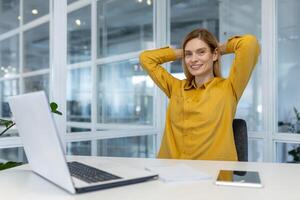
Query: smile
{"x": 196, "y": 67}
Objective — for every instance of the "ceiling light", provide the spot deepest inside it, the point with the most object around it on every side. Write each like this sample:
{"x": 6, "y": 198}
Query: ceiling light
{"x": 78, "y": 22}
{"x": 140, "y": 1}
{"x": 35, "y": 11}
{"x": 149, "y": 2}
{"x": 19, "y": 17}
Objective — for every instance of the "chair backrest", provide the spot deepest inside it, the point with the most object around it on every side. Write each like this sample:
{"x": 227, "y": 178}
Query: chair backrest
{"x": 240, "y": 139}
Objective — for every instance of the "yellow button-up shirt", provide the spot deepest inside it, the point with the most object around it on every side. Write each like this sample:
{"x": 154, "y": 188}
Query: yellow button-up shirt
{"x": 199, "y": 120}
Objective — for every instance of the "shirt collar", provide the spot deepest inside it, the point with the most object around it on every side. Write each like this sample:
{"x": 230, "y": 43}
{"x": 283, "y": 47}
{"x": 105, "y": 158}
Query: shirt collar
{"x": 189, "y": 84}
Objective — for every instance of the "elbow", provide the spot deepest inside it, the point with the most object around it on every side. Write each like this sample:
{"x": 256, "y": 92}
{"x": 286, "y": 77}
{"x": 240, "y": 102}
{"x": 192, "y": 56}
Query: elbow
{"x": 145, "y": 60}
{"x": 251, "y": 37}
{"x": 143, "y": 57}
{"x": 252, "y": 43}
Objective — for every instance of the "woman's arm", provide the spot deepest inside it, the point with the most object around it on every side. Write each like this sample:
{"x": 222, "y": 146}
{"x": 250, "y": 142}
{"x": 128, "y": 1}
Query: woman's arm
{"x": 222, "y": 48}
{"x": 151, "y": 61}
{"x": 246, "y": 50}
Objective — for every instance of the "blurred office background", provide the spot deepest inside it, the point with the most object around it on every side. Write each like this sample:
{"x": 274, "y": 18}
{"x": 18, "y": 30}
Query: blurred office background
{"x": 111, "y": 107}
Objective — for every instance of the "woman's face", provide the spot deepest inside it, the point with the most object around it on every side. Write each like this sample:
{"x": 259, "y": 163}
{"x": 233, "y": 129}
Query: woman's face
{"x": 198, "y": 57}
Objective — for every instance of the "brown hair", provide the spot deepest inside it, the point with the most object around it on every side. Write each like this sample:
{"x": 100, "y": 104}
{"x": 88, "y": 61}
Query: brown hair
{"x": 211, "y": 41}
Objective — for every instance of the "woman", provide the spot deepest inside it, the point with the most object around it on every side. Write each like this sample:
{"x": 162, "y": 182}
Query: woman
{"x": 202, "y": 106}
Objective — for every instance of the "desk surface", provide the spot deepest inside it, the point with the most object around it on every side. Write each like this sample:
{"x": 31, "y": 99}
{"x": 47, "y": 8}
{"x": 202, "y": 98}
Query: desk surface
{"x": 281, "y": 181}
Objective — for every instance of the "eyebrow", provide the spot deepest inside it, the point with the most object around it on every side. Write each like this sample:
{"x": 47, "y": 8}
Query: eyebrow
{"x": 202, "y": 48}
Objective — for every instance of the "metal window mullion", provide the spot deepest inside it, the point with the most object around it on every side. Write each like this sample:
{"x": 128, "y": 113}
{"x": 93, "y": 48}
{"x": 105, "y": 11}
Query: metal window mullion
{"x": 256, "y": 135}
{"x": 85, "y": 64}
{"x": 36, "y": 23}
{"x": 58, "y": 61}
{"x": 1, "y": 96}
{"x": 35, "y": 73}
{"x": 51, "y": 45}
{"x": 10, "y": 142}
{"x": 94, "y": 102}
{"x": 268, "y": 55}
{"x": 21, "y": 50}
{"x": 112, "y": 126}
{"x": 255, "y": 99}
{"x": 117, "y": 58}
{"x": 17, "y": 76}
{"x": 104, "y": 47}
{"x": 100, "y": 135}
{"x": 21, "y": 64}
{"x": 77, "y": 5}
{"x": 161, "y": 27}
{"x": 105, "y": 32}
{"x": 9, "y": 34}
{"x": 286, "y": 137}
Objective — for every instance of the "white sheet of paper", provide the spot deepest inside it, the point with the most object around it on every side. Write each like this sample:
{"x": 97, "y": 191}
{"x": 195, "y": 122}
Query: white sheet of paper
{"x": 178, "y": 172}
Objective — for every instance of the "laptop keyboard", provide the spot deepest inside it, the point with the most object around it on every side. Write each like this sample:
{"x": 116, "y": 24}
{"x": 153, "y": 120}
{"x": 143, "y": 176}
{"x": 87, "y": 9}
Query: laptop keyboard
{"x": 89, "y": 174}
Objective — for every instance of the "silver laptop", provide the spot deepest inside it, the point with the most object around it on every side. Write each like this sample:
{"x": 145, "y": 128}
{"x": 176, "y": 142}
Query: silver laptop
{"x": 45, "y": 153}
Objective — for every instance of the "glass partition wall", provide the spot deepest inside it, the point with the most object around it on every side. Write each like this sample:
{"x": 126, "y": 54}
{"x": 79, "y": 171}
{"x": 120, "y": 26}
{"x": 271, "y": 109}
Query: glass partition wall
{"x": 24, "y": 61}
{"x": 112, "y": 106}
{"x": 287, "y": 146}
{"x": 108, "y": 93}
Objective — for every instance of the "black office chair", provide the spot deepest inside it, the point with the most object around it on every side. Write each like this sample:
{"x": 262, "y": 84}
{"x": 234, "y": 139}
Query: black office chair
{"x": 241, "y": 142}
{"x": 240, "y": 139}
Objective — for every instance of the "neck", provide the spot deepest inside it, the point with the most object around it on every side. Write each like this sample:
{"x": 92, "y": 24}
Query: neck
{"x": 200, "y": 80}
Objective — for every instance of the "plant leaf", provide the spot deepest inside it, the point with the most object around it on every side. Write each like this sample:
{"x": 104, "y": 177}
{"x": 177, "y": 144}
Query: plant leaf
{"x": 54, "y": 107}
{"x": 6, "y": 123}
{"x": 297, "y": 113}
{"x": 9, "y": 165}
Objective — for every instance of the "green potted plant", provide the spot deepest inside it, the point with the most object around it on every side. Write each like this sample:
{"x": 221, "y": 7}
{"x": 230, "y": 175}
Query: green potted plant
{"x": 297, "y": 125}
{"x": 9, "y": 164}
{"x": 295, "y": 153}
{"x": 9, "y": 124}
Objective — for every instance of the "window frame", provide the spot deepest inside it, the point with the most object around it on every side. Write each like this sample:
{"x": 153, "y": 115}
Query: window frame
{"x": 161, "y": 34}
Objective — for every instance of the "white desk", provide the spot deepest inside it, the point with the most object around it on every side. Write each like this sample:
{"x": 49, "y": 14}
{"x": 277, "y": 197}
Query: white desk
{"x": 281, "y": 182}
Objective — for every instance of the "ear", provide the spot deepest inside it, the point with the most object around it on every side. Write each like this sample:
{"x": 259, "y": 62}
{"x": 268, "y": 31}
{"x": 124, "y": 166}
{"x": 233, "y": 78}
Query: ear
{"x": 215, "y": 54}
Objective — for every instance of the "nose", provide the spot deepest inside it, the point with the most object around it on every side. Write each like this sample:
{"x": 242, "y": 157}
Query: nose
{"x": 194, "y": 58}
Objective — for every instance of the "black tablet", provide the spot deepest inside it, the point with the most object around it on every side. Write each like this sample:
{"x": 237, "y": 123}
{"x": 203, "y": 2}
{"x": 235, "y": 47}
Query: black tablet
{"x": 239, "y": 178}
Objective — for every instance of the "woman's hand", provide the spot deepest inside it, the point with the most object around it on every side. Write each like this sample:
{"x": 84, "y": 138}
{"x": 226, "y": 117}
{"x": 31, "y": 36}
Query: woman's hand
{"x": 178, "y": 53}
{"x": 222, "y": 48}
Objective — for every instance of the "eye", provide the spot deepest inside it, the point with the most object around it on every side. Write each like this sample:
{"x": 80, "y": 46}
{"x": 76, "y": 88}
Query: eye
{"x": 188, "y": 53}
{"x": 201, "y": 52}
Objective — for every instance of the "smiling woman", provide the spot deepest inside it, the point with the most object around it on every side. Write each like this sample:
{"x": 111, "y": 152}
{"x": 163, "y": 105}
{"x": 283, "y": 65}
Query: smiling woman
{"x": 202, "y": 106}
{"x": 201, "y": 56}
